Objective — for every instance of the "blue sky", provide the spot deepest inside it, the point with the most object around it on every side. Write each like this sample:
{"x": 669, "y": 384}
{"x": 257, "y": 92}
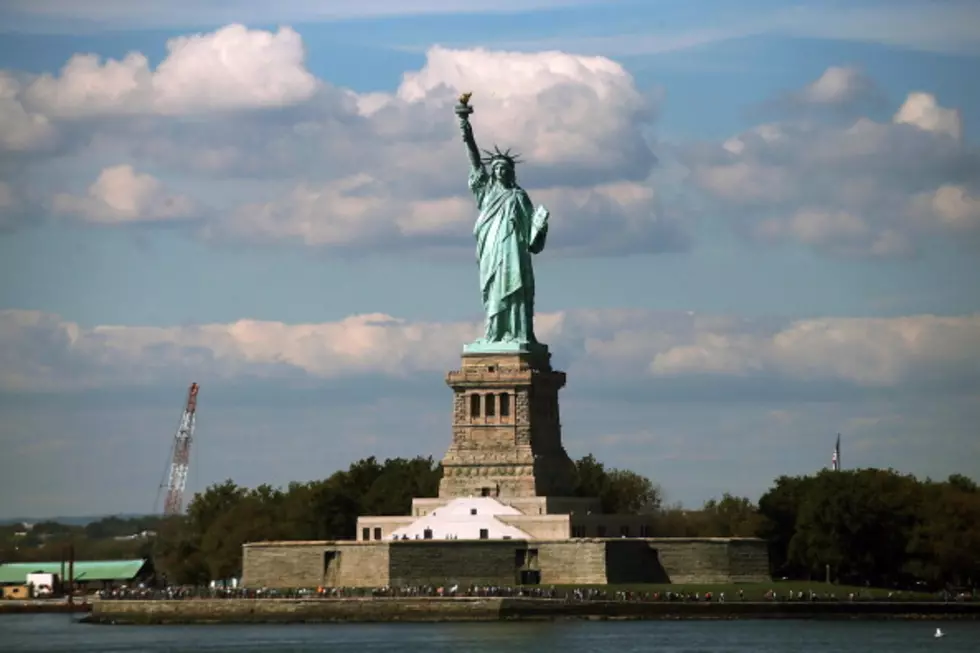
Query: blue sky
{"x": 766, "y": 222}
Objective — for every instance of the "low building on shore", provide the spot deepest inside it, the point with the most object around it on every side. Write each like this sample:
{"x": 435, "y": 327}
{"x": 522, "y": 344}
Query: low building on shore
{"x": 88, "y": 574}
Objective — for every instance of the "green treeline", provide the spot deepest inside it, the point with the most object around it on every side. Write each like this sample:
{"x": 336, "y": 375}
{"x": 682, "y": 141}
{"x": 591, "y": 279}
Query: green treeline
{"x": 875, "y": 526}
{"x": 869, "y": 526}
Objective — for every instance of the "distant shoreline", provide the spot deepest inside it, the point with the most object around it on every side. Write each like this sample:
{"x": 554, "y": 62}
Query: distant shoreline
{"x": 461, "y": 609}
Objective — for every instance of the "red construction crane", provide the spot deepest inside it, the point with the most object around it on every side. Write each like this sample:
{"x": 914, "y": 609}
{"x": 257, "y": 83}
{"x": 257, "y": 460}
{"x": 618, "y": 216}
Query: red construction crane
{"x": 174, "y": 503}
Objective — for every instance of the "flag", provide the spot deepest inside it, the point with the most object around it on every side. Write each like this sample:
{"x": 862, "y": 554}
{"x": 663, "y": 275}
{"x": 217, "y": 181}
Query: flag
{"x": 835, "y": 459}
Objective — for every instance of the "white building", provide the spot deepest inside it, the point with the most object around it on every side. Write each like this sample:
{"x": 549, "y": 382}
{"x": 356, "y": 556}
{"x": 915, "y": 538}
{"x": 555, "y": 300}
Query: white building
{"x": 470, "y": 518}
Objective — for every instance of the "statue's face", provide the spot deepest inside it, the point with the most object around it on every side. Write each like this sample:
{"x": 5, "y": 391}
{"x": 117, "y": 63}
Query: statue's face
{"x": 503, "y": 173}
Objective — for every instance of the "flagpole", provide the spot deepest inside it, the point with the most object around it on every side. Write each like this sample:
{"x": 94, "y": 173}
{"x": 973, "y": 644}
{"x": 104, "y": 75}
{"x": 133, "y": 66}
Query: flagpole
{"x": 837, "y": 455}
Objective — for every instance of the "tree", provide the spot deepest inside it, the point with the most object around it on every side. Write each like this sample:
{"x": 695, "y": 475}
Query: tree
{"x": 119, "y": 527}
{"x": 177, "y": 555}
{"x": 675, "y": 521}
{"x": 730, "y": 516}
{"x": 945, "y": 546}
{"x": 859, "y": 522}
{"x": 630, "y": 493}
{"x": 875, "y": 526}
{"x": 962, "y": 483}
{"x": 400, "y": 480}
{"x": 590, "y": 477}
{"x": 619, "y": 491}
{"x": 205, "y": 508}
{"x": 779, "y": 508}
{"x": 206, "y": 544}
{"x": 255, "y": 517}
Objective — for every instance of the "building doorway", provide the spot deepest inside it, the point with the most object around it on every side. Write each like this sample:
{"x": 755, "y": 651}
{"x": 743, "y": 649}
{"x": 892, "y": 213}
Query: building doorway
{"x": 530, "y": 577}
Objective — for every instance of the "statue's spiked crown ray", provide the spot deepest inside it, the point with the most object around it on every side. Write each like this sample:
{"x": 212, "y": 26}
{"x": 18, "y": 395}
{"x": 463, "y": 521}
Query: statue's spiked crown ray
{"x": 497, "y": 155}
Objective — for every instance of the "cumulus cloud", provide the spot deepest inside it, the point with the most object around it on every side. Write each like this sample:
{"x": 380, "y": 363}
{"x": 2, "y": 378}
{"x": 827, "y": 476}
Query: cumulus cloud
{"x": 860, "y": 189}
{"x": 375, "y": 169}
{"x": 837, "y": 84}
{"x": 923, "y": 111}
{"x": 43, "y": 352}
{"x": 349, "y": 211}
{"x": 359, "y": 210}
{"x": 121, "y": 195}
{"x": 557, "y": 107}
{"x": 232, "y": 68}
{"x": 956, "y": 207}
{"x": 21, "y": 130}
{"x": 878, "y": 352}
{"x": 838, "y": 87}
{"x": 576, "y": 121}
{"x": 300, "y": 160}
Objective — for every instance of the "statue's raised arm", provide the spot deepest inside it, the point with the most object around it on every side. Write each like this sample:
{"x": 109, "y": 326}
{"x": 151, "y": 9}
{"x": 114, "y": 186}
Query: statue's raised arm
{"x": 463, "y": 111}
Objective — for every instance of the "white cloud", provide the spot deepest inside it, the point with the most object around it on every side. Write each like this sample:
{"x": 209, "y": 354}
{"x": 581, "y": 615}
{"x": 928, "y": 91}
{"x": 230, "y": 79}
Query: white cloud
{"x": 557, "y": 109}
{"x": 329, "y": 167}
{"x": 232, "y": 68}
{"x": 349, "y": 211}
{"x": 838, "y": 85}
{"x": 42, "y": 352}
{"x": 377, "y": 169}
{"x": 120, "y": 195}
{"x": 858, "y": 189}
{"x": 877, "y": 352}
{"x": 922, "y": 110}
{"x": 956, "y": 207}
{"x": 20, "y": 130}
{"x": 359, "y": 210}
{"x": 576, "y": 121}
{"x": 840, "y": 232}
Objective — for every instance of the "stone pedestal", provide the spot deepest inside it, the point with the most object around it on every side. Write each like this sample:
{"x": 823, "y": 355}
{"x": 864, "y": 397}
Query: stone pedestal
{"x": 506, "y": 429}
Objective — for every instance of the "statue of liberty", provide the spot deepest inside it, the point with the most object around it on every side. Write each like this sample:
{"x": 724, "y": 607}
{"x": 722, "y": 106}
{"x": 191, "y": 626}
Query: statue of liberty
{"x": 508, "y": 231}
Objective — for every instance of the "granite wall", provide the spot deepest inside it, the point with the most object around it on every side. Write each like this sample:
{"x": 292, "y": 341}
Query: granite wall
{"x": 418, "y": 609}
{"x": 283, "y": 564}
{"x": 571, "y": 562}
{"x": 452, "y": 562}
{"x": 207, "y": 611}
{"x": 712, "y": 560}
{"x": 505, "y": 562}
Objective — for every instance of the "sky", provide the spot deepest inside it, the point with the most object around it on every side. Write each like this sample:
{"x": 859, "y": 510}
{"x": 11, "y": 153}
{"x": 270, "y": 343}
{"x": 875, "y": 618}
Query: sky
{"x": 765, "y": 229}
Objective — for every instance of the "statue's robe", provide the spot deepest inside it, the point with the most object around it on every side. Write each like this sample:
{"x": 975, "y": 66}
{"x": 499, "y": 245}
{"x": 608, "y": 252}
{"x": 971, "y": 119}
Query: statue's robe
{"x": 507, "y": 232}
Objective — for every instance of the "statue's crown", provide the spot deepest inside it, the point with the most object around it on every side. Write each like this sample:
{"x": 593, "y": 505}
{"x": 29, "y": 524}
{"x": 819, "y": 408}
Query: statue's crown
{"x": 496, "y": 155}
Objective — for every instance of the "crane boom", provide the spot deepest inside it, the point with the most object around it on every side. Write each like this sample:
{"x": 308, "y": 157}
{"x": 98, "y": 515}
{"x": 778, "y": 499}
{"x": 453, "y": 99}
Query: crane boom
{"x": 180, "y": 461}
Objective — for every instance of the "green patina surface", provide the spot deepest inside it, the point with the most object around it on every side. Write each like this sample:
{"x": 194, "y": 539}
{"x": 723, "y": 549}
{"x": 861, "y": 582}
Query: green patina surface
{"x": 508, "y": 231}
{"x": 484, "y": 347}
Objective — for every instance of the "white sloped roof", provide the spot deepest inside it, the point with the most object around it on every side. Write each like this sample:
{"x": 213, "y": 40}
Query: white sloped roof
{"x": 456, "y": 520}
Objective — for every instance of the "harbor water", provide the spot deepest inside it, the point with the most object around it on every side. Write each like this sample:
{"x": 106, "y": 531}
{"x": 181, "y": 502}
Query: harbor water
{"x": 59, "y": 632}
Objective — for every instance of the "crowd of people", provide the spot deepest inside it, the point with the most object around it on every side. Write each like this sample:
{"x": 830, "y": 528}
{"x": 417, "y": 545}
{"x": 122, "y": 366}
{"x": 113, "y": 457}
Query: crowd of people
{"x": 492, "y": 591}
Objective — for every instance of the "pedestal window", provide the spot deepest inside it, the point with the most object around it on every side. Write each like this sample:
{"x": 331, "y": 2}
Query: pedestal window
{"x": 504, "y": 404}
